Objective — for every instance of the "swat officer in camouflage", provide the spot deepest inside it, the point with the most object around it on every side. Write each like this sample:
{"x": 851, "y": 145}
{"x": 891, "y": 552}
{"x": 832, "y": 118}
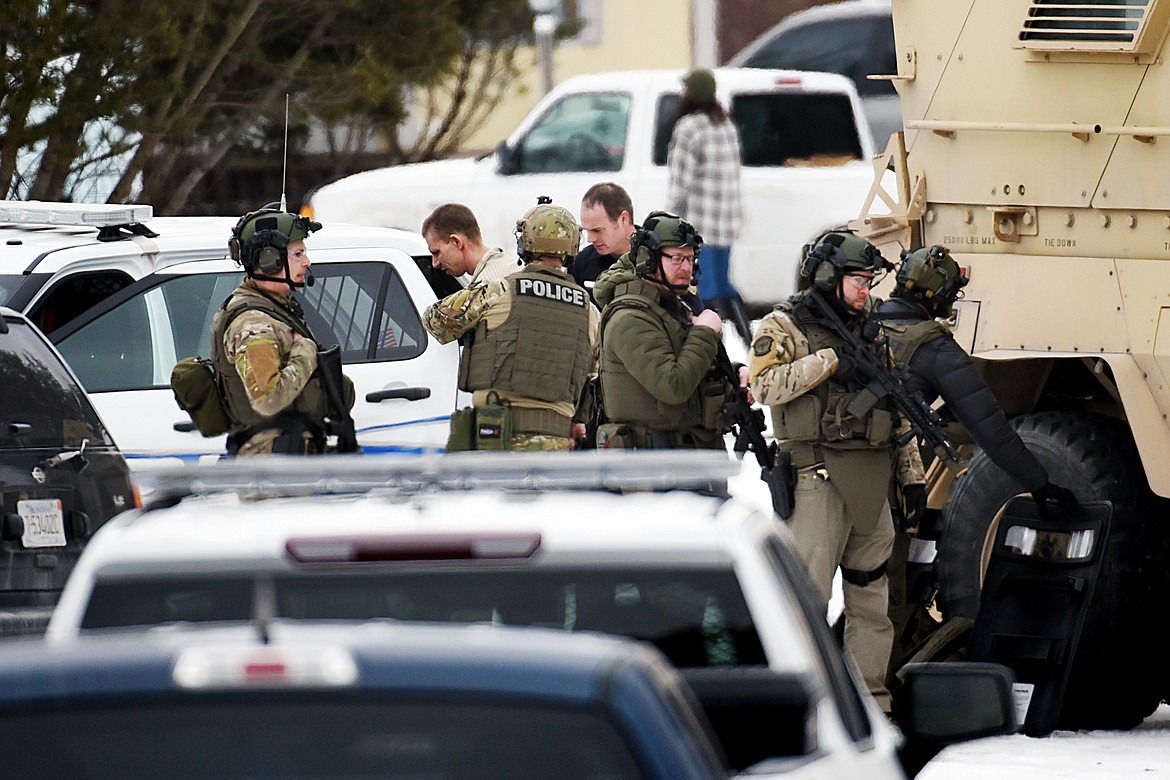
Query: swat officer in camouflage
{"x": 657, "y": 388}
{"x": 529, "y": 341}
{"x": 843, "y": 458}
{"x": 261, "y": 346}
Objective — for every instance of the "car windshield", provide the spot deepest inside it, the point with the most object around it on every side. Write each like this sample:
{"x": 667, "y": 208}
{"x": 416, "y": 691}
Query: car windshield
{"x": 41, "y": 405}
{"x": 696, "y": 617}
{"x": 338, "y": 735}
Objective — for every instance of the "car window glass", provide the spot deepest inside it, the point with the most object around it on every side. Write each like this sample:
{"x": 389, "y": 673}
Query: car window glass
{"x": 135, "y": 345}
{"x": 41, "y": 405}
{"x": 853, "y": 47}
{"x": 73, "y": 295}
{"x": 695, "y": 617}
{"x": 774, "y": 129}
{"x": 366, "y": 309}
{"x": 9, "y": 284}
{"x": 844, "y": 692}
{"x": 319, "y": 733}
{"x": 581, "y": 132}
{"x": 115, "y": 351}
{"x": 664, "y": 118}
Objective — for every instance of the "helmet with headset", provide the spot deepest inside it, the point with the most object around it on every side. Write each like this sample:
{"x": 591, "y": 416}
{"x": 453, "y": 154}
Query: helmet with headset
{"x": 661, "y": 229}
{"x": 260, "y": 240}
{"x": 837, "y": 254}
{"x": 547, "y": 229}
{"x": 931, "y": 276}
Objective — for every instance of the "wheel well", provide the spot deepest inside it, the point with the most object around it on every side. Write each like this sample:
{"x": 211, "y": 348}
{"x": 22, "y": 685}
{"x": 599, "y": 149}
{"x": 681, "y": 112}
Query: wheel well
{"x": 1053, "y": 384}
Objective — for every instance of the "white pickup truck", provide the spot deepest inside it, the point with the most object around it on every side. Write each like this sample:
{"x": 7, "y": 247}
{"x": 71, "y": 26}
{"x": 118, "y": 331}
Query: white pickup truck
{"x": 806, "y": 150}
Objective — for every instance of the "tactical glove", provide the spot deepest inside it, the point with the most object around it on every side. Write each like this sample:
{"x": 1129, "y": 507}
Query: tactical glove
{"x": 1063, "y": 497}
{"x": 914, "y": 500}
{"x": 847, "y": 372}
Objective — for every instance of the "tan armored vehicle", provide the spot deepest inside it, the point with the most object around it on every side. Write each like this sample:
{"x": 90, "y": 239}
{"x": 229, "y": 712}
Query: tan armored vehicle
{"x": 1037, "y": 148}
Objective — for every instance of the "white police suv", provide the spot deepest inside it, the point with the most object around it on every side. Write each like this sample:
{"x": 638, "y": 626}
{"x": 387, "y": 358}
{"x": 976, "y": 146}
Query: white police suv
{"x": 124, "y": 296}
{"x": 602, "y": 541}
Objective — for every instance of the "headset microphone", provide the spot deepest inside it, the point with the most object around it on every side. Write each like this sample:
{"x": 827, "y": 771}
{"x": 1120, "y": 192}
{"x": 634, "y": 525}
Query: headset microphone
{"x": 310, "y": 280}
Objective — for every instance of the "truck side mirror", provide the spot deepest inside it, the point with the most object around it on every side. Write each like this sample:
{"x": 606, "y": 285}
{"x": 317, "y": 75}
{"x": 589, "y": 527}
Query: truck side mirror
{"x": 757, "y": 713}
{"x": 509, "y": 159}
{"x": 930, "y": 718}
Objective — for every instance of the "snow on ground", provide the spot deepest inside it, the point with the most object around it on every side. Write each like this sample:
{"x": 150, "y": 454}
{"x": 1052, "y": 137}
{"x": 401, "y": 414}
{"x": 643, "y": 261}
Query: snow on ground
{"x": 1101, "y": 755}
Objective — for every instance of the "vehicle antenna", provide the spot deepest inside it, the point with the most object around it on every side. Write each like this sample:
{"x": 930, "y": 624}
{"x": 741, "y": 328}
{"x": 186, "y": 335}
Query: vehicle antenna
{"x": 284, "y": 168}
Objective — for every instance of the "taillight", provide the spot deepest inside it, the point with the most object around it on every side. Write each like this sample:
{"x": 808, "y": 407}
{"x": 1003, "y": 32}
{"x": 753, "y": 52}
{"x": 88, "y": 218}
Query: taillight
{"x": 247, "y": 667}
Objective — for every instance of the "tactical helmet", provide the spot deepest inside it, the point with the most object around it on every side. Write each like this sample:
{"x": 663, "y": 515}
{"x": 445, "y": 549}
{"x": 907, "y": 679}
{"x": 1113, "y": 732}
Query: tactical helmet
{"x": 838, "y": 253}
{"x": 932, "y": 276}
{"x": 547, "y": 230}
{"x": 260, "y": 239}
{"x": 661, "y": 229}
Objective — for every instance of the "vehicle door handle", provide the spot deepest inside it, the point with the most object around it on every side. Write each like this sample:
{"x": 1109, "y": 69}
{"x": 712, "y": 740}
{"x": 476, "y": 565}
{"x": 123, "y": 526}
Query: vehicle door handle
{"x": 186, "y": 426}
{"x": 409, "y": 393}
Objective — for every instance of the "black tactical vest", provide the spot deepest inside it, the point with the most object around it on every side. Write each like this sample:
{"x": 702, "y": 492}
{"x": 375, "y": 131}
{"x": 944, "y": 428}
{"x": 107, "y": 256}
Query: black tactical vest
{"x": 542, "y": 350}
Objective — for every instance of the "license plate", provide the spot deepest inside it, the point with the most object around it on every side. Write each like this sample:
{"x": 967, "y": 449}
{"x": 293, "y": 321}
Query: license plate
{"x": 44, "y": 522}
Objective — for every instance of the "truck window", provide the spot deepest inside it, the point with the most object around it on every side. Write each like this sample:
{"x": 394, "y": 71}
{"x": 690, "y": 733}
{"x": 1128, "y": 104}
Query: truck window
{"x": 695, "y": 617}
{"x": 778, "y": 129}
{"x": 852, "y": 47}
{"x": 796, "y": 129}
{"x": 580, "y": 132}
{"x": 318, "y": 734}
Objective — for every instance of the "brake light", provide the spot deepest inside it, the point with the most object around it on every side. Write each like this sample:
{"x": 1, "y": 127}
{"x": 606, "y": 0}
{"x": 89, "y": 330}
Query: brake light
{"x": 248, "y": 667}
{"x": 417, "y": 547}
{"x": 788, "y": 81}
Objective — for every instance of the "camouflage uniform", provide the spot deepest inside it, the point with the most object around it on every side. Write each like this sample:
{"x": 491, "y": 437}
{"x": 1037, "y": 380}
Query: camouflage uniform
{"x": 272, "y": 370}
{"x": 491, "y": 304}
{"x": 841, "y": 516}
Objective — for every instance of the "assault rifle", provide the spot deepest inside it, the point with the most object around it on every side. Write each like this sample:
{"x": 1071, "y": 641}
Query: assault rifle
{"x": 775, "y": 467}
{"x": 329, "y": 363}
{"x": 883, "y": 382}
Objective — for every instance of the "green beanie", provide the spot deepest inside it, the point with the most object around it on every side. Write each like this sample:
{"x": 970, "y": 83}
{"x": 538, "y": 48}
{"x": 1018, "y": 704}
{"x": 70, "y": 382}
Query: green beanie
{"x": 700, "y": 86}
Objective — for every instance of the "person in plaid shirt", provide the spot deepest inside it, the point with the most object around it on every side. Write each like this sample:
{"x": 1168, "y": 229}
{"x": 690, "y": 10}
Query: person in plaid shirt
{"x": 704, "y": 160}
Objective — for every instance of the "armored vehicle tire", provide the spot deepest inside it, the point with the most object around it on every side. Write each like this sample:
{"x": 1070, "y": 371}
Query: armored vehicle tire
{"x": 1119, "y": 675}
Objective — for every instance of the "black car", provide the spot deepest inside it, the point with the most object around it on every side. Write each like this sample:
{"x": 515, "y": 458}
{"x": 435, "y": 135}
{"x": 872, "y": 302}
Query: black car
{"x": 61, "y": 475}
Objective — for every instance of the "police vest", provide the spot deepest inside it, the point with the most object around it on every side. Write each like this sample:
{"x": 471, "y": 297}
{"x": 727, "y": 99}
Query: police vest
{"x": 906, "y": 336}
{"x": 542, "y": 350}
{"x": 311, "y": 405}
{"x": 626, "y": 401}
{"x": 822, "y": 414}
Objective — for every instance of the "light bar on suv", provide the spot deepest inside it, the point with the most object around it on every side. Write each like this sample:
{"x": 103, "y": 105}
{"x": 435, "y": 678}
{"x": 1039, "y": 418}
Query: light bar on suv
{"x": 277, "y": 475}
{"x": 96, "y": 215}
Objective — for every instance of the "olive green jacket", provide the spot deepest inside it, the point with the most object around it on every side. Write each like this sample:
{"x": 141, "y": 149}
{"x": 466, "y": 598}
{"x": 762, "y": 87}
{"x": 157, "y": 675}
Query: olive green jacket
{"x": 635, "y": 342}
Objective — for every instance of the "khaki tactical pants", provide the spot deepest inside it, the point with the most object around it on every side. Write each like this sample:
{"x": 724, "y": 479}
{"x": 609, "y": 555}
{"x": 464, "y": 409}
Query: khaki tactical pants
{"x": 825, "y": 540}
